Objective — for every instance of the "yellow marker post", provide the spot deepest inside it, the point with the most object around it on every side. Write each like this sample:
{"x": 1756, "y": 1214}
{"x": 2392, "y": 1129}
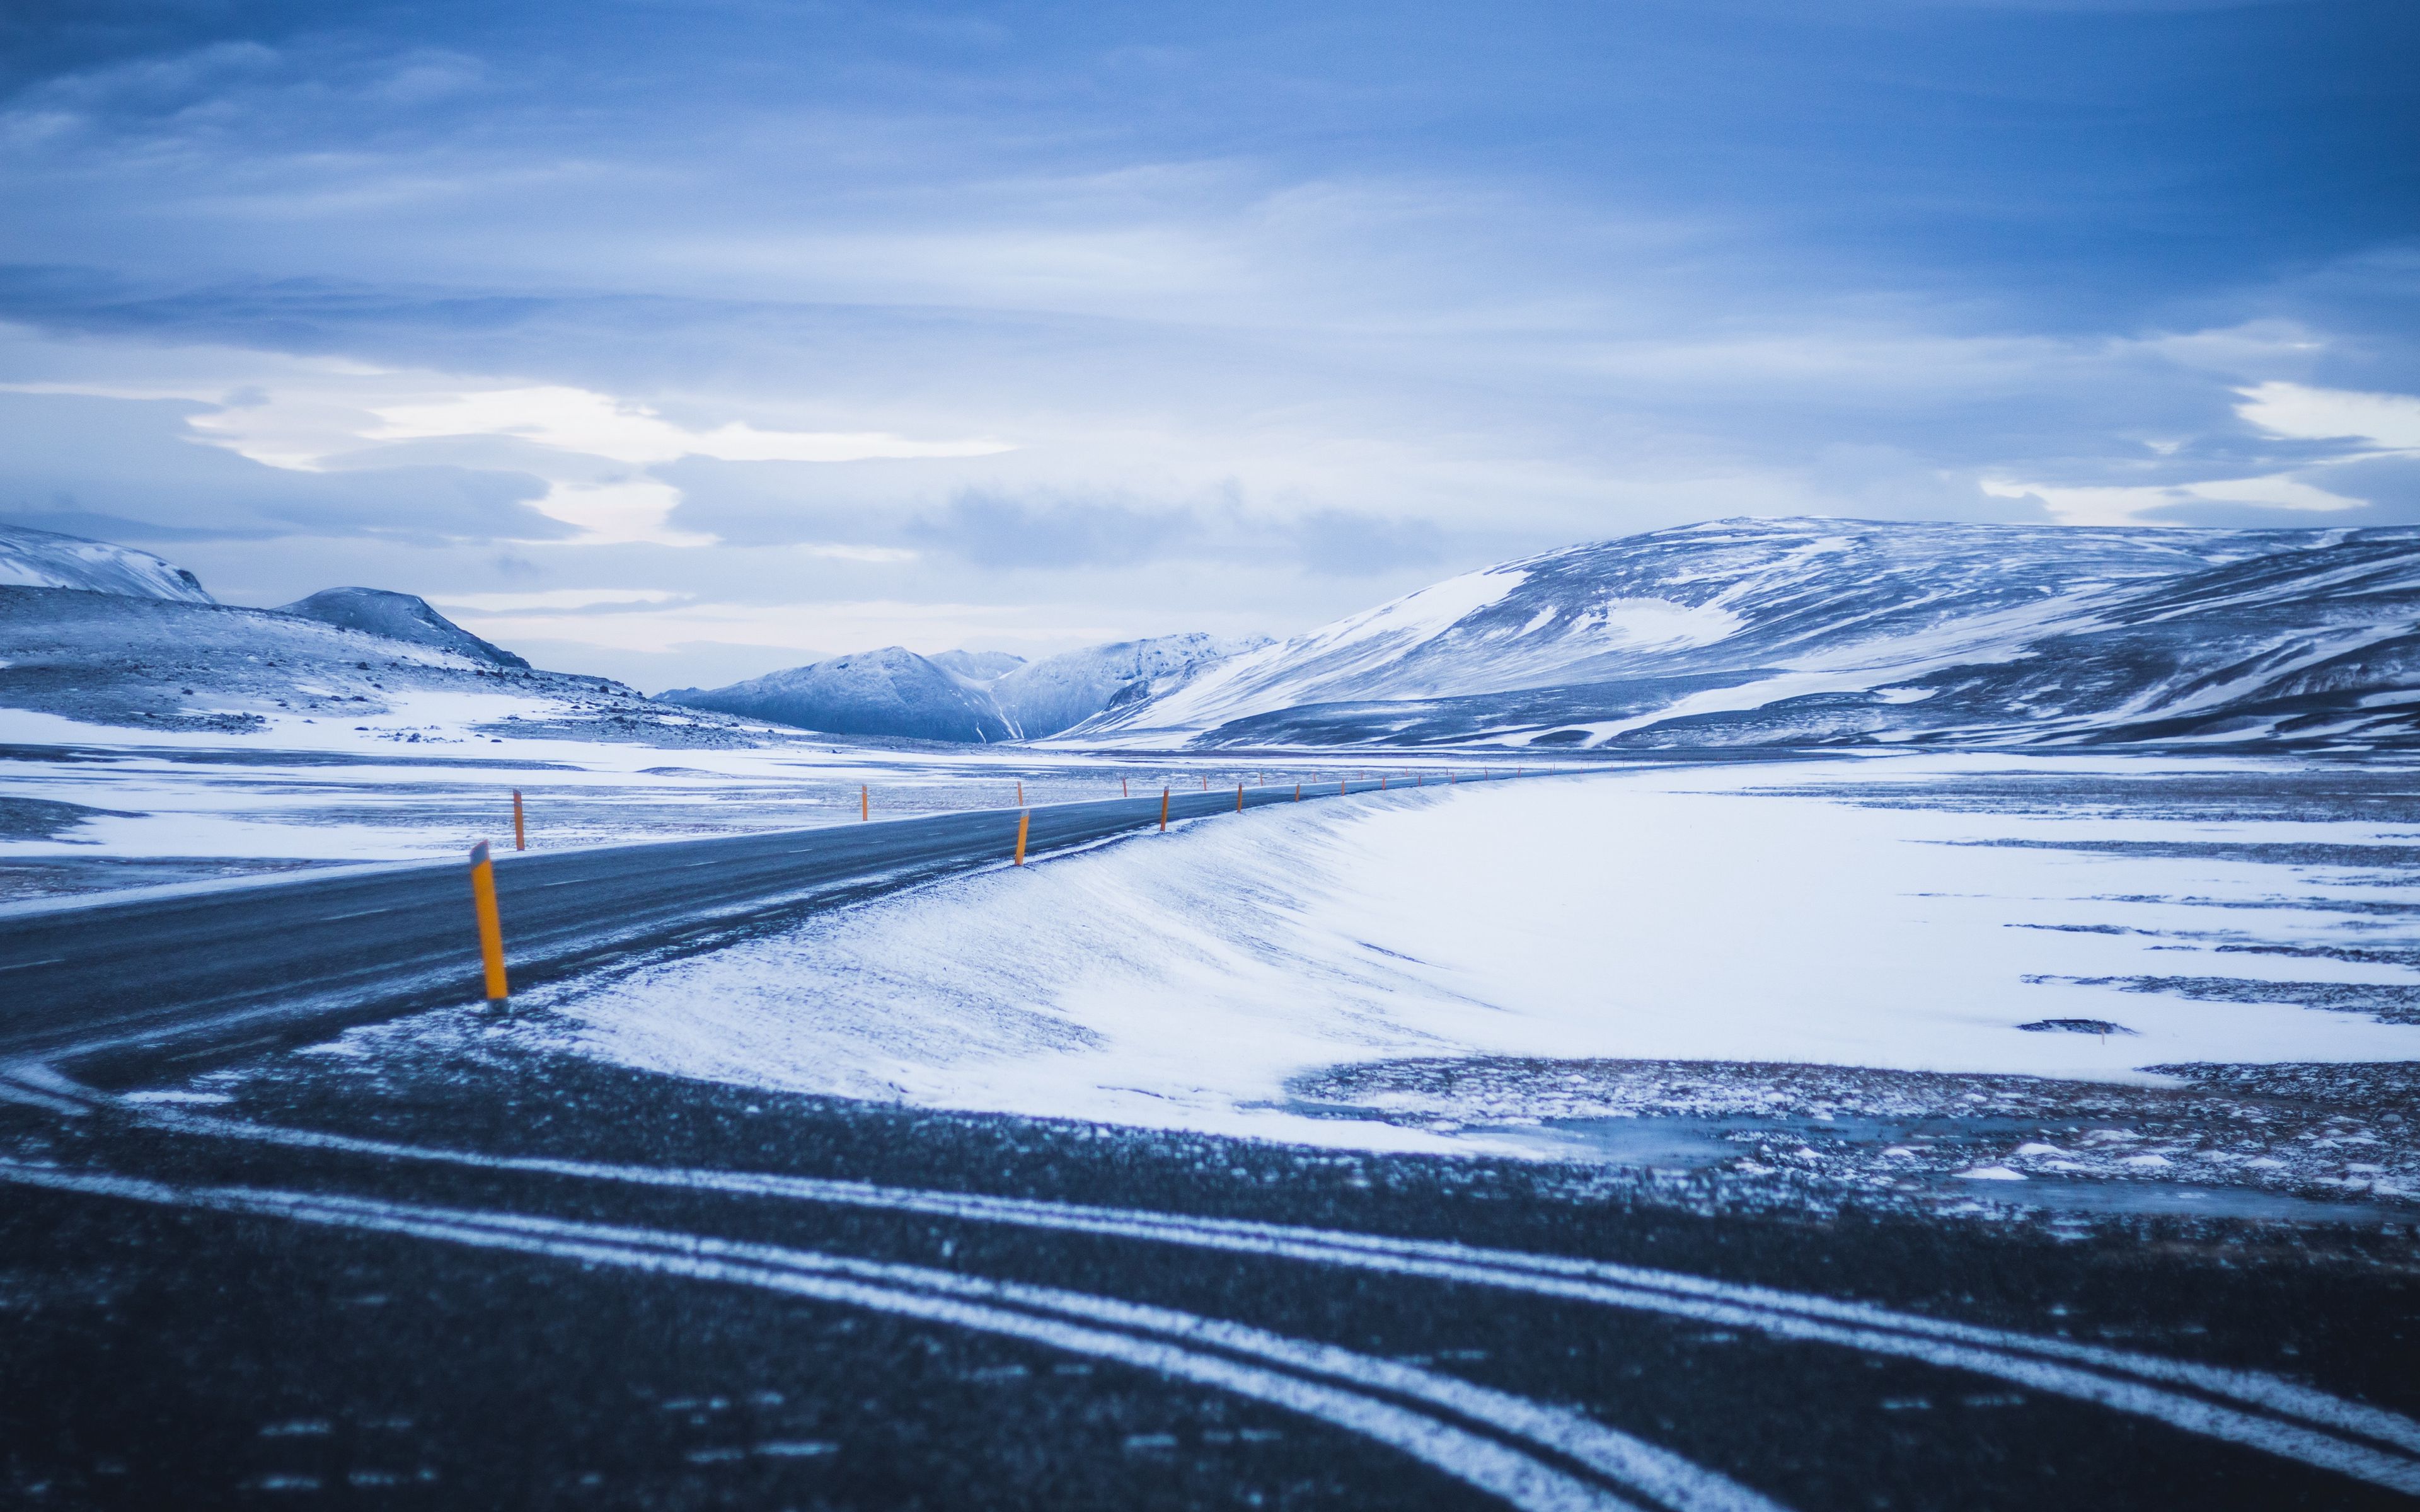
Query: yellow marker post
{"x": 521, "y": 835}
{"x": 1022, "y": 820}
{"x": 1205, "y": 782}
{"x": 1297, "y": 792}
{"x": 1382, "y": 781}
{"x": 865, "y": 803}
{"x": 1239, "y": 797}
{"x": 1121, "y": 789}
{"x": 1339, "y": 786}
{"x": 491, "y": 926}
{"x": 1163, "y": 811}
{"x": 1020, "y": 794}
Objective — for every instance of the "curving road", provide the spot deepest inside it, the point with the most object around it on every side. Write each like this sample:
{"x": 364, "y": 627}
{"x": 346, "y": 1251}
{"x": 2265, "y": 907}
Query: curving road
{"x": 228, "y": 970}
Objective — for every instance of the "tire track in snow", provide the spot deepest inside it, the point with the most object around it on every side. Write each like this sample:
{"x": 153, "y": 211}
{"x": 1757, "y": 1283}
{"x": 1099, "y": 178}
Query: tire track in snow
{"x": 2302, "y": 1423}
{"x": 1334, "y": 1385}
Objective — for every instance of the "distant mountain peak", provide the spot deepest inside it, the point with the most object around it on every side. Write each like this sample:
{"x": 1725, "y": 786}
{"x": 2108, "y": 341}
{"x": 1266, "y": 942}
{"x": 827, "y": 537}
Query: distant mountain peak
{"x": 893, "y": 692}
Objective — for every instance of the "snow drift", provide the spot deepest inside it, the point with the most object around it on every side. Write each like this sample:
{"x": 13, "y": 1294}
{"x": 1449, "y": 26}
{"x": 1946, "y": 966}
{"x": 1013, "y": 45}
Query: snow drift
{"x": 1664, "y": 912}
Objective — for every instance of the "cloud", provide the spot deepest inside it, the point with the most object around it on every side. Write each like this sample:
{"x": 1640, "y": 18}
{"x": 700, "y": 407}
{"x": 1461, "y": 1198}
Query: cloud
{"x": 1009, "y": 532}
{"x": 552, "y": 599}
{"x": 562, "y": 432}
{"x": 2158, "y": 504}
{"x": 2382, "y": 422}
{"x": 109, "y": 467}
{"x": 592, "y": 450}
{"x": 598, "y": 425}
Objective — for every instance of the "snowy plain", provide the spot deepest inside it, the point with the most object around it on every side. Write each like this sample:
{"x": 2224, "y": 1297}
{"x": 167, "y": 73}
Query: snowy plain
{"x": 1766, "y": 912}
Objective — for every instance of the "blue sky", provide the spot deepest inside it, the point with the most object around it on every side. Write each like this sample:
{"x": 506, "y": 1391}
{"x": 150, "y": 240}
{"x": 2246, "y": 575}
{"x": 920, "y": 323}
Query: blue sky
{"x": 678, "y": 341}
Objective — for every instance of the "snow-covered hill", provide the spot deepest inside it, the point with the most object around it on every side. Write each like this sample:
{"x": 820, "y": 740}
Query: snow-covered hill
{"x": 40, "y": 559}
{"x": 1818, "y": 631}
{"x": 889, "y": 692}
{"x": 165, "y": 666}
{"x": 398, "y": 617}
{"x": 965, "y": 695}
{"x": 102, "y": 635}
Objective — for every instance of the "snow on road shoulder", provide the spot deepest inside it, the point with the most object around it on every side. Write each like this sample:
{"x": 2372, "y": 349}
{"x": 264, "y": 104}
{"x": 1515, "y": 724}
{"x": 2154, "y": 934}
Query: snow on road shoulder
{"x": 1664, "y": 915}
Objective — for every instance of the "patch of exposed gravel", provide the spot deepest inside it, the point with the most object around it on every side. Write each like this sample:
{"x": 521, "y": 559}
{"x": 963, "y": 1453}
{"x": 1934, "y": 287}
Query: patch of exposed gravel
{"x": 2324, "y": 1133}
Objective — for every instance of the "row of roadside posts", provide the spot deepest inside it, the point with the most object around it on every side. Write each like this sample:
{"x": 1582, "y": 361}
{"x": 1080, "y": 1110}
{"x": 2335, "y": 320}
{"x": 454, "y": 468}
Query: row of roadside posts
{"x": 491, "y": 922}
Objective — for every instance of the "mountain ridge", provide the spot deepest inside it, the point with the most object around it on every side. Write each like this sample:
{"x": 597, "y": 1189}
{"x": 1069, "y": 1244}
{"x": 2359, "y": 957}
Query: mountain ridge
{"x": 1825, "y": 632}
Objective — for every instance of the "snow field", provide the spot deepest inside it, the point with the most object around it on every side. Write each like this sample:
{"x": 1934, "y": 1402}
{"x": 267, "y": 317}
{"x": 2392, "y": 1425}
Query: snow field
{"x": 1656, "y": 913}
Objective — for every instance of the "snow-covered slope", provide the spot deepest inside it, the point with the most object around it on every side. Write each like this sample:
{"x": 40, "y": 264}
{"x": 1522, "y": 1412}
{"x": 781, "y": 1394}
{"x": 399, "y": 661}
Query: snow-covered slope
{"x": 398, "y": 617}
{"x": 1045, "y": 696}
{"x": 889, "y": 692}
{"x": 1818, "y": 631}
{"x": 39, "y": 559}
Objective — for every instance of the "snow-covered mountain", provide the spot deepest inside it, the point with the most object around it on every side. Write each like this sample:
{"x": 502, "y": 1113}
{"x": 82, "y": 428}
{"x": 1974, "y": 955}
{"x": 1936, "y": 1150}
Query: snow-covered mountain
{"x": 889, "y": 692}
{"x": 959, "y": 695}
{"x": 1044, "y": 697}
{"x": 41, "y": 559}
{"x": 398, "y": 617}
{"x": 1819, "y": 631}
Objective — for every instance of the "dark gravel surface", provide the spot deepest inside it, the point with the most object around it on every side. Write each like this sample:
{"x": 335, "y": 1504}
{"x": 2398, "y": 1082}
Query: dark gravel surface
{"x": 164, "y": 1357}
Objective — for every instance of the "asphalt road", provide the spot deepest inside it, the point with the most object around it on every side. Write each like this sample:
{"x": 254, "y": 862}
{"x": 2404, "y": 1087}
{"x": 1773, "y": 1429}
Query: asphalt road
{"x": 211, "y": 973}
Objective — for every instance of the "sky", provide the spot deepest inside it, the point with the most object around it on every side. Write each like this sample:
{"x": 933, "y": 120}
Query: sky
{"x": 680, "y": 342}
